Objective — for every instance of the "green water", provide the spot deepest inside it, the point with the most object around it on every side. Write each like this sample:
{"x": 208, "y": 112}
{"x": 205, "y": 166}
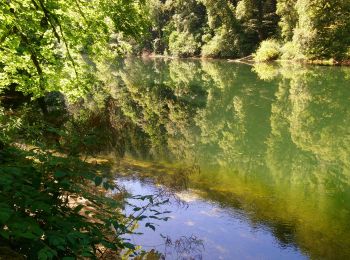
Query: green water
{"x": 271, "y": 141}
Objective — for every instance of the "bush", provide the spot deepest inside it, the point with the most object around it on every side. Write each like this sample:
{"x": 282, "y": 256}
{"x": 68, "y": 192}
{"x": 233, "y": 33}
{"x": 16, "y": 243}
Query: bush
{"x": 38, "y": 218}
{"x": 183, "y": 44}
{"x": 222, "y": 45}
{"x": 269, "y": 50}
{"x": 290, "y": 51}
{"x": 53, "y": 203}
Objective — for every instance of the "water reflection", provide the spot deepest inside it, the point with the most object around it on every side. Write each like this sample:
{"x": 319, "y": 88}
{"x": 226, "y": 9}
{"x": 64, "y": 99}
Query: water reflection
{"x": 272, "y": 142}
{"x": 206, "y": 230}
{"x": 269, "y": 142}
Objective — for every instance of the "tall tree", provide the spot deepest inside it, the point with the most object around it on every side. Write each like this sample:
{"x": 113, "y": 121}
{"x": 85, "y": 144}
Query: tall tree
{"x": 288, "y": 17}
{"x": 259, "y": 17}
{"x": 323, "y": 28}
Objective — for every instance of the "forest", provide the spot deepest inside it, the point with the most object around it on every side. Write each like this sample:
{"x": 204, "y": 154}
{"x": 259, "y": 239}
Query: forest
{"x": 67, "y": 108}
{"x": 272, "y": 29}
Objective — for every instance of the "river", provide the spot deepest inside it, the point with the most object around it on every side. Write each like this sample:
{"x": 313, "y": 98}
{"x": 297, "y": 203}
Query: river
{"x": 254, "y": 159}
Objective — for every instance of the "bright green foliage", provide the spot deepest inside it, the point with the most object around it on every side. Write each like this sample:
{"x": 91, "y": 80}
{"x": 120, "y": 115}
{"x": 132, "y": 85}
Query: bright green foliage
{"x": 220, "y": 13}
{"x": 269, "y": 50}
{"x": 67, "y": 46}
{"x": 158, "y": 17}
{"x": 288, "y": 17}
{"x": 182, "y": 44}
{"x": 185, "y": 27}
{"x": 258, "y": 18}
{"x": 186, "y": 15}
{"x": 60, "y": 45}
{"x": 223, "y": 44}
{"x": 323, "y": 28}
{"x": 169, "y": 16}
{"x": 225, "y": 30}
{"x": 319, "y": 29}
{"x": 238, "y": 27}
{"x": 291, "y": 52}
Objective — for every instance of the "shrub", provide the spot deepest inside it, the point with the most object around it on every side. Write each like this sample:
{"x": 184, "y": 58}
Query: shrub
{"x": 291, "y": 52}
{"x": 37, "y": 217}
{"x": 222, "y": 45}
{"x": 53, "y": 203}
{"x": 269, "y": 50}
{"x": 183, "y": 44}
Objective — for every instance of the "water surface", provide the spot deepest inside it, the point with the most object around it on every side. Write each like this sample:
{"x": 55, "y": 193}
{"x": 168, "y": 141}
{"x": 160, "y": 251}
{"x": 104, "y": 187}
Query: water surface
{"x": 260, "y": 153}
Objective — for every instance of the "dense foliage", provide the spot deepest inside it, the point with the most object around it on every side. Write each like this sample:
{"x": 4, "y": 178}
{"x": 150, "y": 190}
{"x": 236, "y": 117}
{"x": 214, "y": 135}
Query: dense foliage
{"x": 268, "y": 50}
{"x": 315, "y": 29}
{"x": 61, "y": 45}
{"x": 54, "y": 203}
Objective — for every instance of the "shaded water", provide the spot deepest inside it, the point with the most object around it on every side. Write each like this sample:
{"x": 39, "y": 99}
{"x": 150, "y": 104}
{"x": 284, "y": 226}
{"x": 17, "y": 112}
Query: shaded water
{"x": 261, "y": 154}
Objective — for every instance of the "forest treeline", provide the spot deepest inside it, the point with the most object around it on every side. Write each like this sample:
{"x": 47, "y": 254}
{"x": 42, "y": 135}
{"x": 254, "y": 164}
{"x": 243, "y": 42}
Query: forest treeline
{"x": 278, "y": 29}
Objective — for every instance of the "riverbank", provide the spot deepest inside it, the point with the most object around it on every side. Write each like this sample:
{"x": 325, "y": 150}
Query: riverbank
{"x": 250, "y": 60}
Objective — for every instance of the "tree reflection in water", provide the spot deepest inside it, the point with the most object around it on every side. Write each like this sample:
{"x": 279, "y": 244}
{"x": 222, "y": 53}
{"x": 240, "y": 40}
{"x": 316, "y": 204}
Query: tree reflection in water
{"x": 270, "y": 141}
{"x": 276, "y": 140}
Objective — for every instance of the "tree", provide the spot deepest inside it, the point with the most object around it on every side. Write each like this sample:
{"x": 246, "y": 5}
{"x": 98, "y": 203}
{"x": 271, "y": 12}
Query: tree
{"x": 323, "y": 27}
{"x": 258, "y": 17}
{"x": 288, "y": 17}
{"x": 224, "y": 38}
{"x": 48, "y": 46}
{"x": 60, "y": 45}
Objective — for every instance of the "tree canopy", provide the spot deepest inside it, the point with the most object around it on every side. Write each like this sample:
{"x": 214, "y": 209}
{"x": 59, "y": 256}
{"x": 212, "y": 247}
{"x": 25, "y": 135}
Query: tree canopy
{"x": 62, "y": 45}
{"x": 53, "y": 202}
{"x": 307, "y": 29}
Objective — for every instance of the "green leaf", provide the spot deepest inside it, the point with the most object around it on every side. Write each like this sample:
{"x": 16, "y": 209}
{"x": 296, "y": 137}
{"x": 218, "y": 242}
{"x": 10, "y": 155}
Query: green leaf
{"x": 106, "y": 185}
{"x": 78, "y": 208}
{"x": 98, "y": 180}
{"x": 87, "y": 254}
{"x": 60, "y": 174}
{"x": 42, "y": 254}
{"x": 129, "y": 245}
{"x": 4, "y": 234}
{"x": 28, "y": 235}
{"x": 46, "y": 253}
{"x": 5, "y": 214}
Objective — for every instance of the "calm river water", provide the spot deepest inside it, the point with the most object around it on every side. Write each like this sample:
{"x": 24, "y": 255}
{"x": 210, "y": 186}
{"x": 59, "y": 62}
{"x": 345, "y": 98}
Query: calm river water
{"x": 255, "y": 160}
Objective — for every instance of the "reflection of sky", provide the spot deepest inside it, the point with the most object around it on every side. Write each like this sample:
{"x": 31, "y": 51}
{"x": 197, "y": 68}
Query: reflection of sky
{"x": 224, "y": 233}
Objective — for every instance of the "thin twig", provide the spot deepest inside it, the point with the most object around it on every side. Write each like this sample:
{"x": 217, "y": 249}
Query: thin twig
{"x": 46, "y": 13}
{"x": 81, "y": 12}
